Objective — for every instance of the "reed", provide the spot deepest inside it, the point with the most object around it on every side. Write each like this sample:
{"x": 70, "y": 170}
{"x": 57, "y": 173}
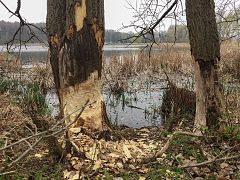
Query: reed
{"x": 171, "y": 59}
{"x": 176, "y": 62}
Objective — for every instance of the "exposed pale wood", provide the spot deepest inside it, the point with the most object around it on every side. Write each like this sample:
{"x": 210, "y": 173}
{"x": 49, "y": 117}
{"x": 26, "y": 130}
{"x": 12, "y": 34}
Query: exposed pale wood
{"x": 205, "y": 50}
{"x": 76, "y": 37}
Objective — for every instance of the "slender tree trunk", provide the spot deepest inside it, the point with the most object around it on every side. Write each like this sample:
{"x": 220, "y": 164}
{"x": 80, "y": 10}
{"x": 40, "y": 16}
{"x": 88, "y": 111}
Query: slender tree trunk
{"x": 76, "y": 37}
{"x": 205, "y": 49}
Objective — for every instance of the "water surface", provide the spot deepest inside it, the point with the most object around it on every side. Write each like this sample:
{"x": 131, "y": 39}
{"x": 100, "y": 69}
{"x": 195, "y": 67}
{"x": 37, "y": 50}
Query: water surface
{"x": 133, "y": 108}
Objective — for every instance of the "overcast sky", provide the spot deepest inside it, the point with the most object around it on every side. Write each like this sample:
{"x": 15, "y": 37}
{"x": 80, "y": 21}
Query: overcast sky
{"x": 35, "y": 11}
{"x": 117, "y": 12}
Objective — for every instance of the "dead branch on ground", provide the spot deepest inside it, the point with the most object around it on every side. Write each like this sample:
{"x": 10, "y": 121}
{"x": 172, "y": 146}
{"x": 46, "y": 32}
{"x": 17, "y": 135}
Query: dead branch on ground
{"x": 53, "y": 131}
{"x": 215, "y": 159}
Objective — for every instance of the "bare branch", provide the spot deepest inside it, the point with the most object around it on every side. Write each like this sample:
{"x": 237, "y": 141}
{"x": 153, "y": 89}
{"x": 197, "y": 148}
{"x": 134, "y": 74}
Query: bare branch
{"x": 22, "y": 24}
{"x": 50, "y": 132}
{"x": 212, "y": 161}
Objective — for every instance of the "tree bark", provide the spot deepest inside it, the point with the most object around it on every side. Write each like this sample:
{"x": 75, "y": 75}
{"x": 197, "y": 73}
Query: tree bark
{"x": 205, "y": 49}
{"x": 76, "y": 37}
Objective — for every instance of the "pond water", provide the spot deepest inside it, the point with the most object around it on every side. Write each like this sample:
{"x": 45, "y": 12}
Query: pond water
{"x": 136, "y": 108}
{"x": 37, "y": 53}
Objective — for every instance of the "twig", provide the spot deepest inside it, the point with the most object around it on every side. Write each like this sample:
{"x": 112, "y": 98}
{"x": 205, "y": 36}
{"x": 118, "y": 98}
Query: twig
{"x": 134, "y": 107}
{"x": 168, "y": 143}
{"x": 44, "y": 134}
{"x": 23, "y": 155}
{"x": 6, "y": 173}
{"x": 49, "y": 130}
{"x": 215, "y": 159}
{"x": 149, "y": 30}
{"x": 211, "y": 161}
{"x": 22, "y": 23}
{"x": 71, "y": 123}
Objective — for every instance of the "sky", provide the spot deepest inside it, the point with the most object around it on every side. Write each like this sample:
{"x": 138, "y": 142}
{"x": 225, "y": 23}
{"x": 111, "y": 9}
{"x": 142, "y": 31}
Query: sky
{"x": 116, "y": 13}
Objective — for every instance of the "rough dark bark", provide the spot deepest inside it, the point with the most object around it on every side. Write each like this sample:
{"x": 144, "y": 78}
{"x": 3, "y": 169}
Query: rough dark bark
{"x": 205, "y": 50}
{"x": 76, "y": 37}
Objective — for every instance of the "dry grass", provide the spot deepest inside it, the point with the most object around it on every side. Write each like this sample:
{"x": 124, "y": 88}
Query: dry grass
{"x": 230, "y": 60}
{"x": 11, "y": 117}
{"x": 118, "y": 70}
{"x": 175, "y": 58}
{"x": 15, "y": 124}
{"x": 177, "y": 62}
{"x": 170, "y": 59}
{"x": 13, "y": 127}
{"x": 8, "y": 64}
{"x": 12, "y": 69}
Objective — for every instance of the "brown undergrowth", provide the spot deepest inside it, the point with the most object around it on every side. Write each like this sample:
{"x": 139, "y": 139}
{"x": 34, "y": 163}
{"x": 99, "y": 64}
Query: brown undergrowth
{"x": 174, "y": 65}
{"x": 23, "y": 113}
{"x": 14, "y": 126}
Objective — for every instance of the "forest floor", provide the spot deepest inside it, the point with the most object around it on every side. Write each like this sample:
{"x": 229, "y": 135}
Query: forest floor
{"x": 121, "y": 152}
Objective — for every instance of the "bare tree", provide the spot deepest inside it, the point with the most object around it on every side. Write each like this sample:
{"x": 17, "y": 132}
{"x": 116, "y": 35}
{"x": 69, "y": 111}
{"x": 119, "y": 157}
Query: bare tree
{"x": 228, "y": 19}
{"x": 17, "y": 41}
{"x": 205, "y": 48}
{"x": 150, "y": 15}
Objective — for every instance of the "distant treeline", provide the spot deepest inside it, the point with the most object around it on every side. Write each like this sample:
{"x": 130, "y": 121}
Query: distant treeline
{"x": 8, "y": 29}
{"x": 173, "y": 34}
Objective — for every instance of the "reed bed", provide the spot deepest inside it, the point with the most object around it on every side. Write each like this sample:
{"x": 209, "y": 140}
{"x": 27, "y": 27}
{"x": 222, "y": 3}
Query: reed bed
{"x": 174, "y": 64}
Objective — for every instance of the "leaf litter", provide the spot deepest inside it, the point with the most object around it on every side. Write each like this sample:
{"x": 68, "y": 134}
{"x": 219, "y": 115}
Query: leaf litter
{"x": 125, "y": 150}
{"x": 92, "y": 155}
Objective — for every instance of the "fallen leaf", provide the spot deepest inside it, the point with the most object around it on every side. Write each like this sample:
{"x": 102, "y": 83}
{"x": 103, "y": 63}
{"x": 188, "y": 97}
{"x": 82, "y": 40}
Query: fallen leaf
{"x": 93, "y": 153}
{"x": 145, "y": 130}
{"x": 132, "y": 167}
{"x": 65, "y": 174}
{"x": 144, "y": 170}
{"x": 142, "y": 178}
{"x": 114, "y": 155}
{"x": 119, "y": 165}
{"x": 224, "y": 165}
{"x": 199, "y": 178}
{"x": 126, "y": 151}
{"x": 152, "y": 146}
{"x": 118, "y": 178}
{"x": 164, "y": 155}
{"x": 76, "y": 176}
{"x": 168, "y": 171}
{"x": 97, "y": 165}
{"x": 75, "y": 130}
{"x": 68, "y": 174}
{"x": 77, "y": 166}
{"x": 68, "y": 156}
{"x": 205, "y": 170}
{"x": 38, "y": 156}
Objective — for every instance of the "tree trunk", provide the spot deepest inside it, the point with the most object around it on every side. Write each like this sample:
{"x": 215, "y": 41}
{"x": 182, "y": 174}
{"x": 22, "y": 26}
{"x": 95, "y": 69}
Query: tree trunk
{"x": 205, "y": 49}
{"x": 76, "y": 37}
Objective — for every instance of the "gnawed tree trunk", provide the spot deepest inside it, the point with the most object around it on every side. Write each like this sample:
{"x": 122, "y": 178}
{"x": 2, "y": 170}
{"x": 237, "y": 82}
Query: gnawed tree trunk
{"x": 76, "y": 37}
{"x": 205, "y": 50}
